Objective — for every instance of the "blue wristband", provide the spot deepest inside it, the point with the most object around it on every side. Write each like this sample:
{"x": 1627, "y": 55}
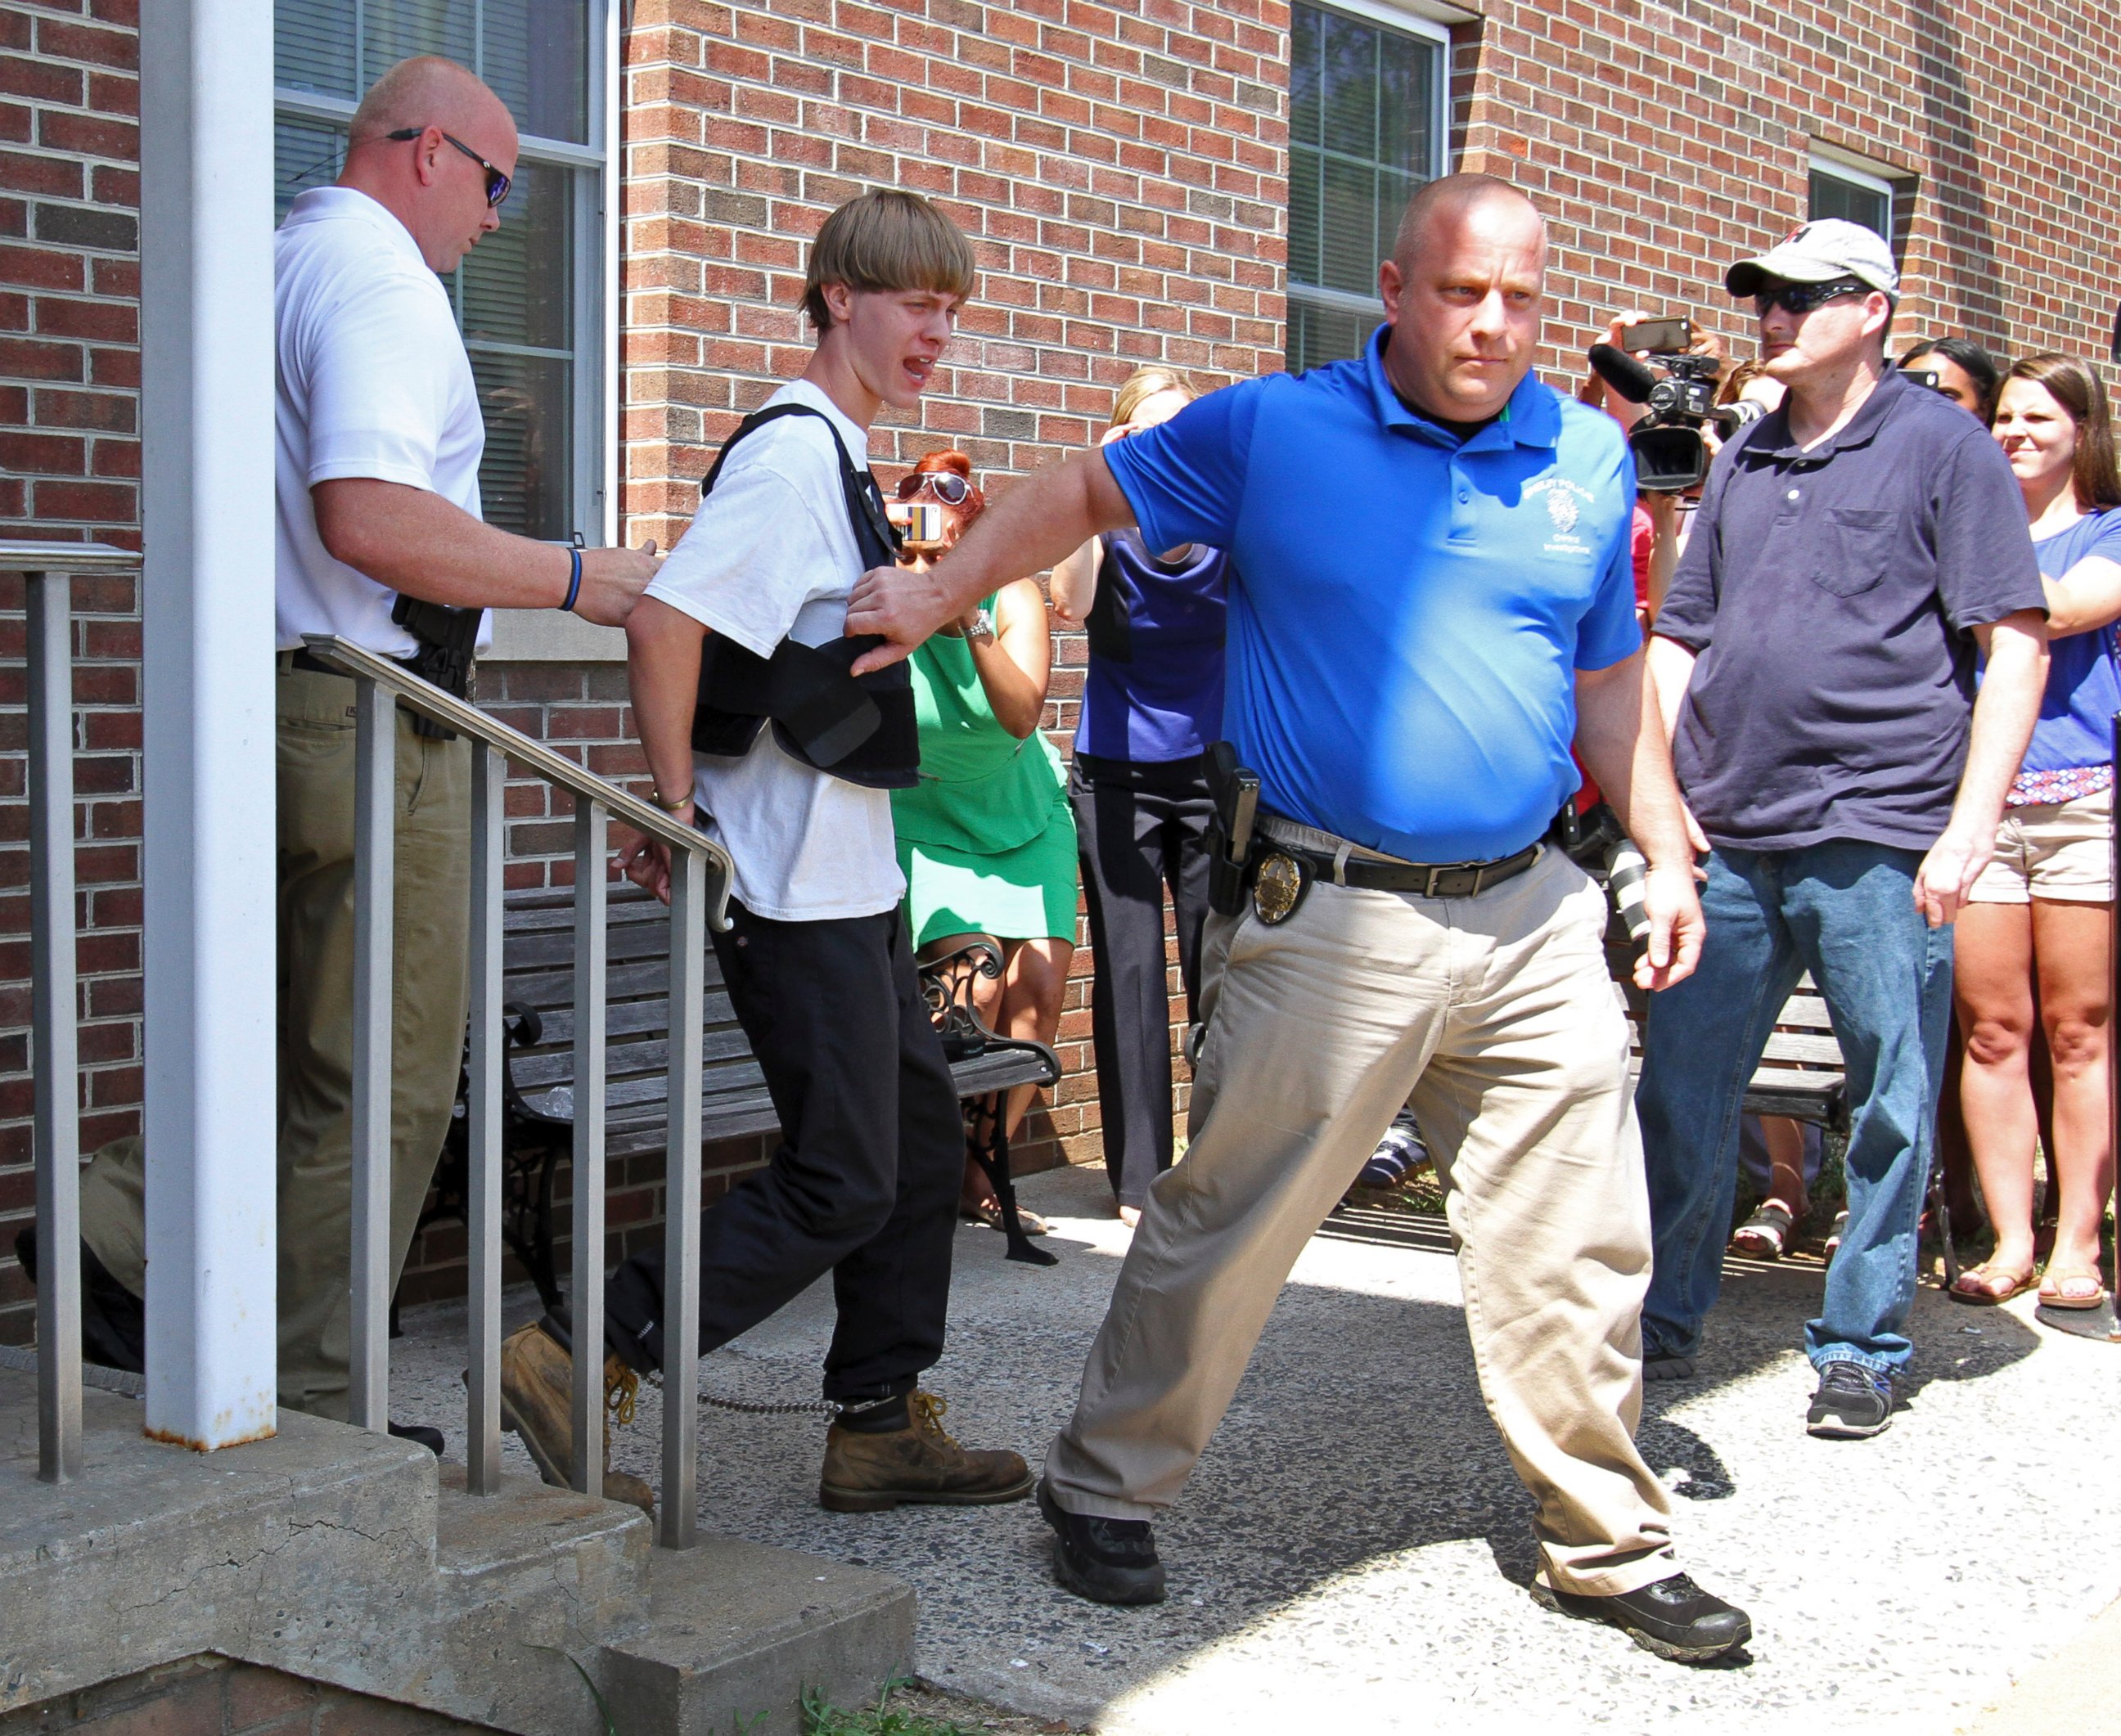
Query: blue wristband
{"x": 574, "y": 580}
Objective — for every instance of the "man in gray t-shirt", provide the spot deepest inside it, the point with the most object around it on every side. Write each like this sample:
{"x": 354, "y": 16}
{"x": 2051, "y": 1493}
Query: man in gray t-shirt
{"x": 1856, "y": 552}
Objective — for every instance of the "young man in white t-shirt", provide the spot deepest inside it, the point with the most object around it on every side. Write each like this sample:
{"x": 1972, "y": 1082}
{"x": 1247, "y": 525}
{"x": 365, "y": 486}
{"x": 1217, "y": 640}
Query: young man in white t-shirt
{"x": 818, "y": 962}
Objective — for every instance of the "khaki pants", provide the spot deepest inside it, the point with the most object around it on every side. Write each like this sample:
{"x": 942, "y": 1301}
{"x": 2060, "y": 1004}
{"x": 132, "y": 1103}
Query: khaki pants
{"x": 1496, "y": 1017}
{"x": 432, "y": 906}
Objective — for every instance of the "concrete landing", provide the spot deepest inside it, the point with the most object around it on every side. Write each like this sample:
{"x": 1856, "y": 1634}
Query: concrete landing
{"x": 1351, "y": 1555}
{"x": 343, "y": 1557}
{"x": 735, "y": 1636}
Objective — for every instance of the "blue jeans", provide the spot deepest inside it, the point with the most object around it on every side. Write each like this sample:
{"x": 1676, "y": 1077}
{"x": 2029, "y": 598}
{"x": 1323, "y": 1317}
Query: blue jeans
{"x": 1845, "y": 911}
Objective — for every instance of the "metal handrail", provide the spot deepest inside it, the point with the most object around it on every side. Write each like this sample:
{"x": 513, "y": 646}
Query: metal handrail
{"x": 48, "y": 570}
{"x": 446, "y": 709}
{"x": 701, "y": 877}
{"x": 18, "y": 556}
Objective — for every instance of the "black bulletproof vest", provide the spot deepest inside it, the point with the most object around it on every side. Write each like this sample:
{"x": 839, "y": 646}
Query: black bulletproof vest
{"x": 858, "y": 727}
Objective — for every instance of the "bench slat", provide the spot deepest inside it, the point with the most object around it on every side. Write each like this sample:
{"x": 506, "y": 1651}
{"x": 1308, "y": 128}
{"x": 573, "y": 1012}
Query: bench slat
{"x": 549, "y": 990}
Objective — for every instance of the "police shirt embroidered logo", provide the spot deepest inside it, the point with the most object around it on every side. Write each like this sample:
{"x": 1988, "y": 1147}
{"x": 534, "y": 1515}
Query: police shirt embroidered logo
{"x": 1564, "y": 502}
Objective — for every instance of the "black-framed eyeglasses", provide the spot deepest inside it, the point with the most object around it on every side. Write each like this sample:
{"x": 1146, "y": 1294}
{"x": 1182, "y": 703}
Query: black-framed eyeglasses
{"x": 496, "y": 183}
{"x": 948, "y": 487}
{"x": 1801, "y": 298}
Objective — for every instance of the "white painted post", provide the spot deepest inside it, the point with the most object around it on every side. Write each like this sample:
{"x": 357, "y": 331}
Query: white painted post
{"x": 206, "y": 257}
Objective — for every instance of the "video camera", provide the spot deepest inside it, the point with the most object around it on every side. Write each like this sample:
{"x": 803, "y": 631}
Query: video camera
{"x": 1670, "y": 456}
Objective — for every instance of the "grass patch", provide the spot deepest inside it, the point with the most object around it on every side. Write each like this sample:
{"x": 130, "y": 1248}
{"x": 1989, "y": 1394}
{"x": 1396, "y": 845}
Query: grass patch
{"x": 913, "y": 1709}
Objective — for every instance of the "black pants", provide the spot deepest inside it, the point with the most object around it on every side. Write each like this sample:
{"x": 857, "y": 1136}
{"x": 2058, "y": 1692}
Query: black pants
{"x": 864, "y": 1184}
{"x": 1140, "y": 826}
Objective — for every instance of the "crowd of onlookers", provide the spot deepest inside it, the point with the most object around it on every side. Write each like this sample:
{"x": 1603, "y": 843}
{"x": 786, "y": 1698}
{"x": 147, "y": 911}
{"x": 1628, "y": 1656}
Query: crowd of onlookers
{"x": 2031, "y": 999}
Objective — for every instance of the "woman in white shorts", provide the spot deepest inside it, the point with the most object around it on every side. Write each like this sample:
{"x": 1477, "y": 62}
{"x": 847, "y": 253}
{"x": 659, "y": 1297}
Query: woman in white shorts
{"x": 2040, "y": 912}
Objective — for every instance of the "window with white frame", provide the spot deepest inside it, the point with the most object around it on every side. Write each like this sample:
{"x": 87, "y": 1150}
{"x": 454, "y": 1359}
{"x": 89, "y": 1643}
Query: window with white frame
{"x": 1842, "y": 188}
{"x": 1368, "y": 125}
{"x": 529, "y": 297}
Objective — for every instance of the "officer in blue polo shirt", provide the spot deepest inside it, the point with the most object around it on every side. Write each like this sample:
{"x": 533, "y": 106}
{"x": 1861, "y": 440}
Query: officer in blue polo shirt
{"x": 1431, "y": 601}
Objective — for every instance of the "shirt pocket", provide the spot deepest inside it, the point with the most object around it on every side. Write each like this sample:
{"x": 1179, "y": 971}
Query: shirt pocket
{"x": 1852, "y": 552}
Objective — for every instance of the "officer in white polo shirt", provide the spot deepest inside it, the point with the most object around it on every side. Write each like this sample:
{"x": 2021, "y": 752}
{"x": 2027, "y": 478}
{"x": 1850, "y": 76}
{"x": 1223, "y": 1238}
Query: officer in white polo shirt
{"x": 380, "y": 541}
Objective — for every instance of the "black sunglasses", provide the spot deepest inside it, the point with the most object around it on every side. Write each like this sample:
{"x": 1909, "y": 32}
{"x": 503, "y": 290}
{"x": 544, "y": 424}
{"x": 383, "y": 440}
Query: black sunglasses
{"x": 496, "y": 183}
{"x": 1801, "y": 298}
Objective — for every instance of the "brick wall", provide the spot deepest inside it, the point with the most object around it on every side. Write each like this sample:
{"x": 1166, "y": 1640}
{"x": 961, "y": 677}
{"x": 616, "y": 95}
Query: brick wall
{"x": 69, "y": 462}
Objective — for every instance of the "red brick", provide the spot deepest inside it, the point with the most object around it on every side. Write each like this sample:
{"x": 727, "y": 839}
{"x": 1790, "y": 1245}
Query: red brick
{"x": 101, "y": 48}
{"x": 52, "y": 454}
{"x": 23, "y": 359}
{"x": 21, "y": 171}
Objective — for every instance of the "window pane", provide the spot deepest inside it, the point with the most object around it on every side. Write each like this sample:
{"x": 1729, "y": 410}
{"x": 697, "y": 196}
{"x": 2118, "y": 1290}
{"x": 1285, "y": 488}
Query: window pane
{"x": 1366, "y": 93}
{"x": 514, "y": 287}
{"x": 306, "y": 154}
{"x": 1394, "y": 190}
{"x": 313, "y": 47}
{"x": 527, "y": 479}
{"x": 1350, "y": 70}
{"x": 1349, "y": 246}
{"x": 536, "y": 58}
{"x": 1305, "y": 96}
{"x": 1406, "y": 84}
{"x": 1834, "y": 197}
{"x": 1304, "y": 196}
{"x": 1318, "y": 334}
{"x": 391, "y": 30}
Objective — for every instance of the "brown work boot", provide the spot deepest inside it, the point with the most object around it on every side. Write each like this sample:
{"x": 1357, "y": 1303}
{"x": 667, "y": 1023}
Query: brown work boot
{"x": 872, "y": 1473}
{"x": 536, "y": 1402}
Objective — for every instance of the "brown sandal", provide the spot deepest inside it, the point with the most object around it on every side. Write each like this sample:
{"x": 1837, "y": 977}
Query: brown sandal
{"x": 1987, "y": 1284}
{"x": 2056, "y": 1291}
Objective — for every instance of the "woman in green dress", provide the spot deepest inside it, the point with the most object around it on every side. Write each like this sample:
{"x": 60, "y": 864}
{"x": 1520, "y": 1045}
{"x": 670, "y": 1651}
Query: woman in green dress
{"x": 986, "y": 838}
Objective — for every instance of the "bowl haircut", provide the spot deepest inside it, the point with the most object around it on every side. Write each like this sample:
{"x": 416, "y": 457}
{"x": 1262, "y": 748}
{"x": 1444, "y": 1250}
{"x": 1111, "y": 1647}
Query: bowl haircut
{"x": 890, "y": 240}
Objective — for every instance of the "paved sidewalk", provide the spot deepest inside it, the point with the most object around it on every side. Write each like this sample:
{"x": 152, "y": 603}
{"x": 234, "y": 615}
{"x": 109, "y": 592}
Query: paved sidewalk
{"x": 1352, "y": 1554}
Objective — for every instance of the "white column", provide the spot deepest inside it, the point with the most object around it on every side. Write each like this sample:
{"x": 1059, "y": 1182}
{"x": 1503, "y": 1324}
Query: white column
{"x": 206, "y": 256}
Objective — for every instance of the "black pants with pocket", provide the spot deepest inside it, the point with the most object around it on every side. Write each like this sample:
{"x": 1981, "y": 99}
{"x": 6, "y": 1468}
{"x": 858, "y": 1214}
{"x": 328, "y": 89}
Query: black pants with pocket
{"x": 1140, "y": 826}
{"x": 864, "y": 1183}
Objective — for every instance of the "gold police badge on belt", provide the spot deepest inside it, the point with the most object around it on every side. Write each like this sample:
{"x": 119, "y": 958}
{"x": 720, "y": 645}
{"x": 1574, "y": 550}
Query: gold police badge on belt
{"x": 1278, "y": 887}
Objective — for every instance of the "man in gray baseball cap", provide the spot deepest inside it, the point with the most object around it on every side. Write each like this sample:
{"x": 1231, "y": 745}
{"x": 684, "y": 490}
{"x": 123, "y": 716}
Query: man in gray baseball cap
{"x": 1820, "y": 252}
{"x": 1856, "y": 554}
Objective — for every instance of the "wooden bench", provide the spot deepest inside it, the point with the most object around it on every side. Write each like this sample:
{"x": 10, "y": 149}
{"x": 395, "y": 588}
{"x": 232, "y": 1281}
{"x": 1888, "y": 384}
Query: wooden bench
{"x": 539, "y": 992}
{"x": 1801, "y": 1074}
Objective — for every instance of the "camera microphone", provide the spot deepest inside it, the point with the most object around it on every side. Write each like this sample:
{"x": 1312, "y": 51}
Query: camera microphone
{"x": 1631, "y": 378}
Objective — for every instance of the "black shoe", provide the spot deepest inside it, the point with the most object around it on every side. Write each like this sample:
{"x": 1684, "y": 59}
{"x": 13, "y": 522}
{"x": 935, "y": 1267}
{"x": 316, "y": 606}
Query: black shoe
{"x": 114, "y": 1321}
{"x": 1108, "y": 1560}
{"x": 1852, "y": 1402}
{"x": 1667, "y": 1367}
{"x": 1674, "y": 1617}
{"x": 431, "y": 1438}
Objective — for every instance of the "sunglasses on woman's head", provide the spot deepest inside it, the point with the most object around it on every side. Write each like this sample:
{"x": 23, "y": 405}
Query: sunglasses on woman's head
{"x": 948, "y": 486}
{"x": 1801, "y": 298}
{"x": 496, "y": 183}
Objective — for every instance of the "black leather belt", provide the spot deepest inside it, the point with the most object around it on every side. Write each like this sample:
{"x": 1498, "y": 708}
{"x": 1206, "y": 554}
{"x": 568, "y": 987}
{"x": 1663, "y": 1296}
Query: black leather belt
{"x": 1427, "y": 879}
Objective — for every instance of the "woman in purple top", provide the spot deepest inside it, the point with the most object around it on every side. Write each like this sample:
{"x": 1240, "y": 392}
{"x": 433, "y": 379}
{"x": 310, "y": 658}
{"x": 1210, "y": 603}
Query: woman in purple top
{"x": 2040, "y": 910}
{"x": 1152, "y": 704}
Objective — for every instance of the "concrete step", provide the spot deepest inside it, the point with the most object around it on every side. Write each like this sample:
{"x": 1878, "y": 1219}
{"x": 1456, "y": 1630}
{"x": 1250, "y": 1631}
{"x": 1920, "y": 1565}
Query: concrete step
{"x": 526, "y": 1579}
{"x": 311, "y": 1551}
{"x": 738, "y": 1632}
{"x": 350, "y": 1558}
